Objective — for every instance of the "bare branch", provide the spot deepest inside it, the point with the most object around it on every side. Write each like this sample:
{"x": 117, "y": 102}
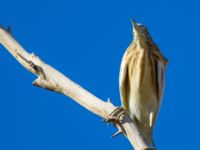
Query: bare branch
{"x": 51, "y": 79}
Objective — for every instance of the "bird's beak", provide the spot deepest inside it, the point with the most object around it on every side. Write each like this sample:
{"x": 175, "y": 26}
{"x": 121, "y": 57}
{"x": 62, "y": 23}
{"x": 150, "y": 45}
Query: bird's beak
{"x": 136, "y": 31}
{"x": 135, "y": 26}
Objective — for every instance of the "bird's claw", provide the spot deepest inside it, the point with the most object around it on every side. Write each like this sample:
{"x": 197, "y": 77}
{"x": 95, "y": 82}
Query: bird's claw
{"x": 116, "y": 116}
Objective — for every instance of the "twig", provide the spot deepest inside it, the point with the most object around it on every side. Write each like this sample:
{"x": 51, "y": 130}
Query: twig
{"x": 51, "y": 79}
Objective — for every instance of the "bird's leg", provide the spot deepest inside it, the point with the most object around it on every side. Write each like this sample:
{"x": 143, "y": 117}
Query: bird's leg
{"x": 115, "y": 116}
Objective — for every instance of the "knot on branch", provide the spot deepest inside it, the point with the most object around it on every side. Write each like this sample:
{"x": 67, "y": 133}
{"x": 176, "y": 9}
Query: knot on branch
{"x": 38, "y": 69}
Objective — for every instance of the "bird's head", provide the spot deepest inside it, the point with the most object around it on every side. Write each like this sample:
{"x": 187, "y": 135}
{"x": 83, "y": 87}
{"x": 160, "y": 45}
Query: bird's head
{"x": 140, "y": 33}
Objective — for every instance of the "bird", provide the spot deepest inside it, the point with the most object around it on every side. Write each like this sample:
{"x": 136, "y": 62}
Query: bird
{"x": 141, "y": 80}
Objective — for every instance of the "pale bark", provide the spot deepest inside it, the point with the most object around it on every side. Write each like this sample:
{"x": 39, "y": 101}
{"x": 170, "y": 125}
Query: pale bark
{"x": 51, "y": 79}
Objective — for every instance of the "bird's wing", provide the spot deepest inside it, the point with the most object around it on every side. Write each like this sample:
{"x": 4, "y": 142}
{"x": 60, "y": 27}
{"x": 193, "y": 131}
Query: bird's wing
{"x": 160, "y": 68}
{"x": 124, "y": 83}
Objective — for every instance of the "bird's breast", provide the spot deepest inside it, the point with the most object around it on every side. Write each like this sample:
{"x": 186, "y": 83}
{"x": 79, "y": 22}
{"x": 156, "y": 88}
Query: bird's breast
{"x": 143, "y": 97}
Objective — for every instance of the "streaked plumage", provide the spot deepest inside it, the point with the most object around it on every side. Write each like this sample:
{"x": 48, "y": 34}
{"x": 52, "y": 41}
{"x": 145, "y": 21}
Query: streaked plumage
{"x": 141, "y": 80}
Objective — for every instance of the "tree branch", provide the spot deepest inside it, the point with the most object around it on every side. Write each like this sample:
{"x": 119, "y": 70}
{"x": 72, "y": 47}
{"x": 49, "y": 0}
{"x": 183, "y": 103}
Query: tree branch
{"x": 51, "y": 79}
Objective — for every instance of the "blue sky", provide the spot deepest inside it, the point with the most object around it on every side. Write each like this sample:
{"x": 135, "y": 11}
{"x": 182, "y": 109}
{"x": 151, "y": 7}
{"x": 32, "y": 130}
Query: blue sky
{"x": 86, "y": 40}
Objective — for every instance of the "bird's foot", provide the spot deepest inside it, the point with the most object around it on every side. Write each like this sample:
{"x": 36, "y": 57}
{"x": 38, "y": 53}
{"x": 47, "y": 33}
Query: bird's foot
{"x": 115, "y": 116}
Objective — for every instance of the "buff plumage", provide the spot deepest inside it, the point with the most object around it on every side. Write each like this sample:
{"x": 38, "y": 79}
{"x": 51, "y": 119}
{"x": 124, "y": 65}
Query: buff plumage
{"x": 141, "y": 81}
